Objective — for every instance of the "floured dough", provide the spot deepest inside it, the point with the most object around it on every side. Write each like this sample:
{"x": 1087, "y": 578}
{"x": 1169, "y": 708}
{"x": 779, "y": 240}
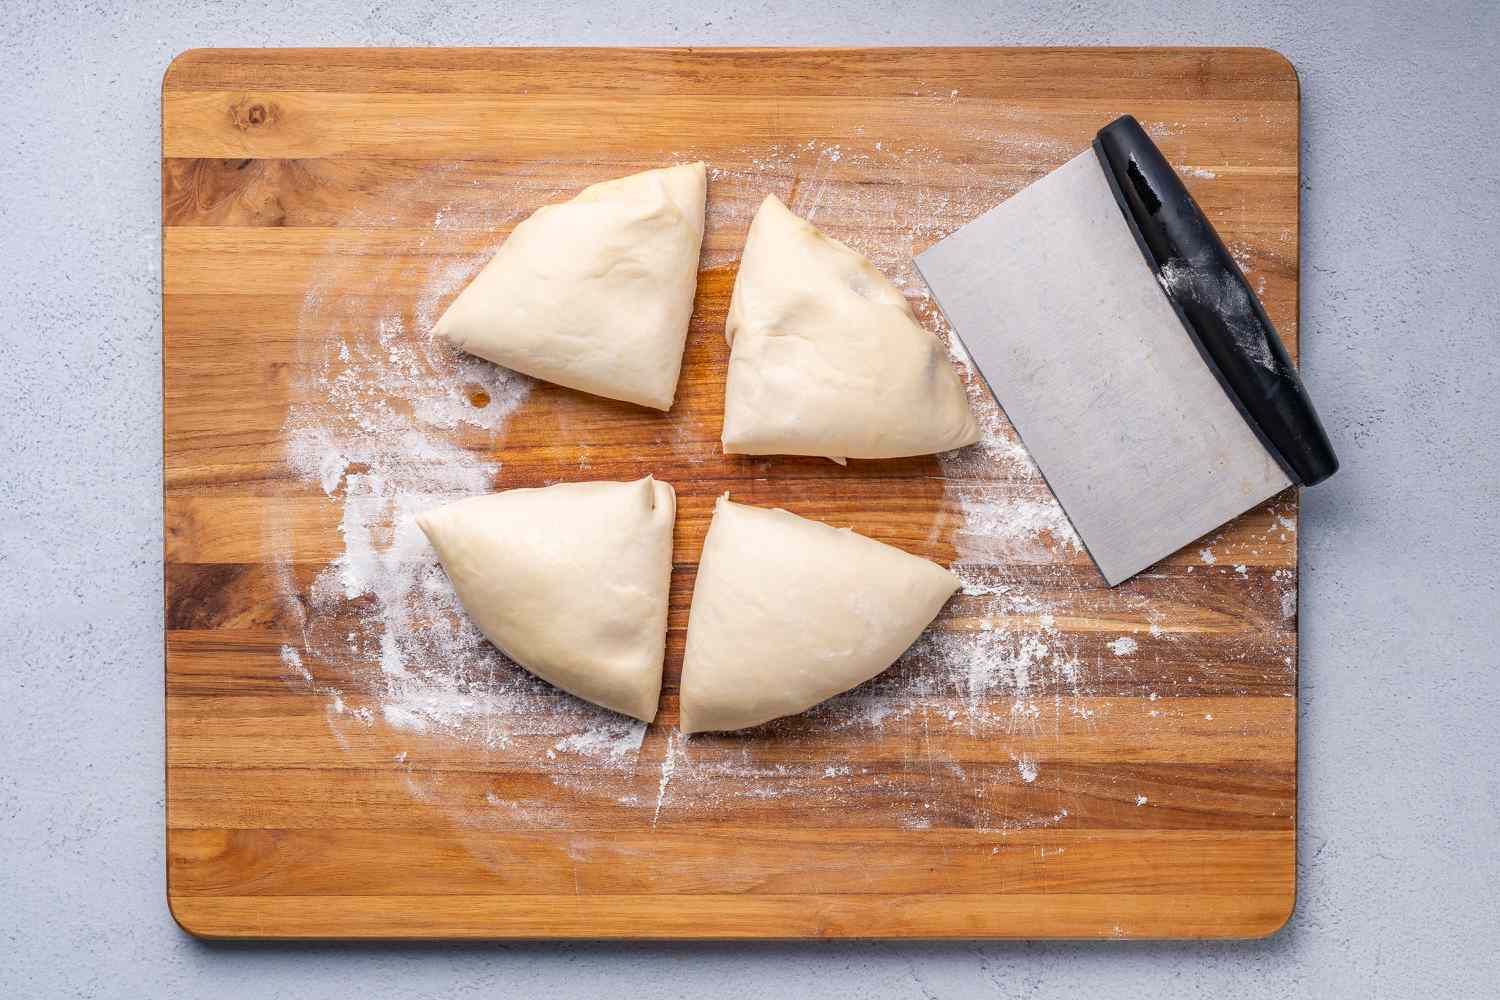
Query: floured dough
{"x": 788, "y": 612}
{"x": 570, "y": 581}
{"x": 595, "y": 293}
{"x": 827, "y": 358}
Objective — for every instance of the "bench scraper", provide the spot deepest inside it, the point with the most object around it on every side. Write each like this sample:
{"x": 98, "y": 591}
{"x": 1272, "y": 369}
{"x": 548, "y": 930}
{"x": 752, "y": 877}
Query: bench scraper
{"x": 1129, "y": 353}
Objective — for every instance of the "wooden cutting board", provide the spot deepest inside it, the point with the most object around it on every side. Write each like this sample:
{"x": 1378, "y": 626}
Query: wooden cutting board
{"x": 346, "y": 759}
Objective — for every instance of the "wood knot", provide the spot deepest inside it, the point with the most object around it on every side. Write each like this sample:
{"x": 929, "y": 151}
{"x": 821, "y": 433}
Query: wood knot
{"x": 247, "y": 114}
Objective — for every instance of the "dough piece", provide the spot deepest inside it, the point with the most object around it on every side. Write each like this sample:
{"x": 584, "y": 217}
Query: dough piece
{"x": 595, "y": 293}
{"x": 788, "y": 612}
{"x": 826, "y": 357}
{"x": 569, "y": 581}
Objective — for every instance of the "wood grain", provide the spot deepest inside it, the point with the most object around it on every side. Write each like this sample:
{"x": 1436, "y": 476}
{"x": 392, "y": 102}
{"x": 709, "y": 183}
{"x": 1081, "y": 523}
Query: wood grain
{"x": 1142, "y": 794}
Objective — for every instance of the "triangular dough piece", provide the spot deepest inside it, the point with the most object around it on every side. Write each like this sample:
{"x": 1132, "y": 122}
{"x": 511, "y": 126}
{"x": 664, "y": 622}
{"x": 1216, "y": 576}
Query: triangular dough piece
{"x": 570, "y": 581}
{"x": 788, "y": 612}
{"x": 827, "y": 357}
{"x": 595, "y": 293}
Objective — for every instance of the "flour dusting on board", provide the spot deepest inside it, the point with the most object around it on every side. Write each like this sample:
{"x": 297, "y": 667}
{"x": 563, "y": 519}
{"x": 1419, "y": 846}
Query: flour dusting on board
{"x": 388, "y": 422}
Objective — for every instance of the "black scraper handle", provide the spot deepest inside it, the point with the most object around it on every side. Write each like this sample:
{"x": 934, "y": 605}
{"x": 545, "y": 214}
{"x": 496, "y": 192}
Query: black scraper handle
{"x": 1215, "y": 303}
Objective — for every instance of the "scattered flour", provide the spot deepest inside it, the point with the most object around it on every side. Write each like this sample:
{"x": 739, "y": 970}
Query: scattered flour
{"x": 1198, "y": 281}
{"x": 386, "y": 426}
{"x": 668, "y": 767}
{"x": 619, "y": 740}
{"x": 387, "y": 422}
{"x": 292, "y": 660}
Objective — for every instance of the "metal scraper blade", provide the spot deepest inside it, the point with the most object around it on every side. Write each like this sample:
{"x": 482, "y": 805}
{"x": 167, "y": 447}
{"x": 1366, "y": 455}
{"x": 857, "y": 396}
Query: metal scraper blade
{"x": 1072, "y": 332}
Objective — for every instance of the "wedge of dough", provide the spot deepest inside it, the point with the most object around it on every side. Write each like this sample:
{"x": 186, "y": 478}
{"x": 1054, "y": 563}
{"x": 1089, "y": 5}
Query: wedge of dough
{"x": 827, "y": 358}
{"x": 788, "y": 612}
{"x": 569, "y": 581}
{"x": 595, "y": 293}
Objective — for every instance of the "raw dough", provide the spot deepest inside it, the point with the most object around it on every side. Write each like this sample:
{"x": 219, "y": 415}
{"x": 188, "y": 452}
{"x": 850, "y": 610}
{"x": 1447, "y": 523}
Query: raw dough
{"x": 827, "y": 358}
{"x": 788, "y": 612}
{"x": 570, "y": 581}
{"x": 595, "y": 293}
